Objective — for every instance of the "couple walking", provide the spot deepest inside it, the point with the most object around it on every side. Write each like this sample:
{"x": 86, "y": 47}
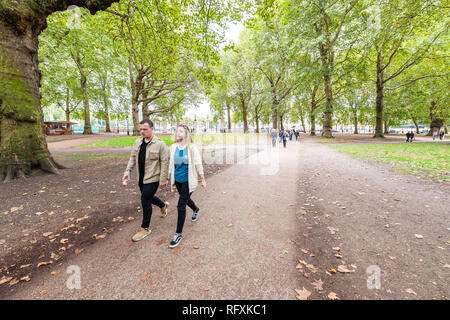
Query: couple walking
{"x": 181, "y": 165}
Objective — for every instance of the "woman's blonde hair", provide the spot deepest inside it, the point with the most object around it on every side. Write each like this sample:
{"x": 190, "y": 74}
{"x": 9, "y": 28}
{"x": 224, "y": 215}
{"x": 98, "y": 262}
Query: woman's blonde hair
{"x": 189, "y": 140}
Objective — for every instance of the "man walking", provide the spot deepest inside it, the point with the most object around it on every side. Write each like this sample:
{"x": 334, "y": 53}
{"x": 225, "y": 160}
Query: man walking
{"x": 273, "y": 135}
{"x": 152, "y": 158}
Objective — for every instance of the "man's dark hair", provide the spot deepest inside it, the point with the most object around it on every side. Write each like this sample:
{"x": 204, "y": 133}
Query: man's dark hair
{"x": 149, "y": 122}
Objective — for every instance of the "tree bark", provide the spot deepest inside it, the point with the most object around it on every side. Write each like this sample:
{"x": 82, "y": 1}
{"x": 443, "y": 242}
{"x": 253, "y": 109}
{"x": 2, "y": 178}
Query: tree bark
{"x": 302, "y": 119}
{"x": 22, "y": 140}
{"x": 229, "y": 116}
{"x": 386, "y": 127}
{"x": 313, "y": 110}
{"x": 380, "y": 98}
{"x": 244, "y": 115}
{"x": 274, "y": 109}
{"x": 416, "y": 124}
{"x": 355, "y": 122}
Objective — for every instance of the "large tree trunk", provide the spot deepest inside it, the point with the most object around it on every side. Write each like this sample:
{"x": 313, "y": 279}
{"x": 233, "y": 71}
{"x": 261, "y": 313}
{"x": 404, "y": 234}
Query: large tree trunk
{"x": 355, "y": 122}
{"x": 302, "y": 119}
{"x": 435, "y": 122}
{"x": 244, "y": 115}
{"x": 87, "y": 111}
{"x": 229, "y": 116}
{"x": 274, "y": 110}
{"x": 105, "y": 102}
{"x": 22, "y": 141}
{"x": 416, "y": 124}
{"x": 379, "y": 100}
{"x": 313, "y": 110}
{"x": 67, "y": 109}
{"x": 108, "y": 128}
{"x": 327, "y": 64}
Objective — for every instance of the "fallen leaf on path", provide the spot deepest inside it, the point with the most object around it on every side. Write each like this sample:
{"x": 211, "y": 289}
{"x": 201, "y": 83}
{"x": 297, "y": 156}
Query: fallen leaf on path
{"x": 410, "y": 291}
{"x": 5, "y": 279}
{"x": 342, "y": 268}
{"x": 25, "y": 266}
{"x": 302, "y": 294}
{"x": 14, "y": 282}
{"x": 96, "y": 237}
{"x": 318, "y": 284}
{"x": 2, "y": 241}
{"x": 44, "y": 263}
{"x": 213, "y": 268}
{"x": 43, "y": 292}
{"x": 333, "y": 271}
{"x": 206, "y": 289}
{"x": 14, "y": 209}
{"x": 54, "y": 273}
{"x": 47, "y": 234}
{"x": 145, "y": 277}
{"x": 304, "y": 251}
{"x": 26, "y": 278}
{"x": 447, "y": 266}
{"x": 229, "y": 225}
{"x": 418, "y": 236}
{"x": 78, "y": 251}
{"x": 333, "y": 296}
{"x": 196, "y": 247}
{"x": 64, "y": 241}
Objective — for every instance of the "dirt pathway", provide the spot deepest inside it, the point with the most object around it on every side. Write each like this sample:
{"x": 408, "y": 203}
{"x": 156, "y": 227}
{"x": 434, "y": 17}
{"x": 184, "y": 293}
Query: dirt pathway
{"x": 398, "y": 223}
{"x": 263, "y": 236}
{"x": 245, "y": 238}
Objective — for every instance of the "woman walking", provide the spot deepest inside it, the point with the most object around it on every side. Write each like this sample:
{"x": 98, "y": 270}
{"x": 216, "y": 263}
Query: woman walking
{"x": 185, "y": 167}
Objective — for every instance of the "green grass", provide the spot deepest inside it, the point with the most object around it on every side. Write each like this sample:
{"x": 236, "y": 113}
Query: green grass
{"x": 201, "y": 139}
{"x": 86, "y": 157}
{"x": 426, "y": 160}
{"x": 120, "y": 142}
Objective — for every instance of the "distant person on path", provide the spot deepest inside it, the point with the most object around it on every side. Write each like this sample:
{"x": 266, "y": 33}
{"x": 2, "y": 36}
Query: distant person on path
{"x": 408, "y": 136}
{"x": 296, "y": 135}
{"x": 185, "y": 167}
{"x": 441, "y": 135}
{"x": 280, "y": 134}
{"x": 150, "y": 154}
{"x": 411, "y": 136}
{"x": 290, "y": 135}
{"x": 273, "y": 135}
{"x": 284, "y": 136}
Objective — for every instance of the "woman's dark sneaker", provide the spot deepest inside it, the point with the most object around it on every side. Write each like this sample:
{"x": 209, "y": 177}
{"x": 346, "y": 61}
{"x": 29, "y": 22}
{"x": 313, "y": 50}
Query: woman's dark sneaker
{"x": 176, "y": 240}
{"x": 195, "y": 215}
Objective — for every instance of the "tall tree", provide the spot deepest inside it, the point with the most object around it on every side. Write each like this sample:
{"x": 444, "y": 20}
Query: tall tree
{"x": 22, "y": 141}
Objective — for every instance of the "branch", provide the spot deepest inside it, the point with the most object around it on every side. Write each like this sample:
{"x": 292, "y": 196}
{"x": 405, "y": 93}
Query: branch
{"x": 417, "y": 79}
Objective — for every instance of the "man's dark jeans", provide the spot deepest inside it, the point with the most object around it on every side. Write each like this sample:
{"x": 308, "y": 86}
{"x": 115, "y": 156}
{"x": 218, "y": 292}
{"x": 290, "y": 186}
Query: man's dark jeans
{"x": 148, "y": 198}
